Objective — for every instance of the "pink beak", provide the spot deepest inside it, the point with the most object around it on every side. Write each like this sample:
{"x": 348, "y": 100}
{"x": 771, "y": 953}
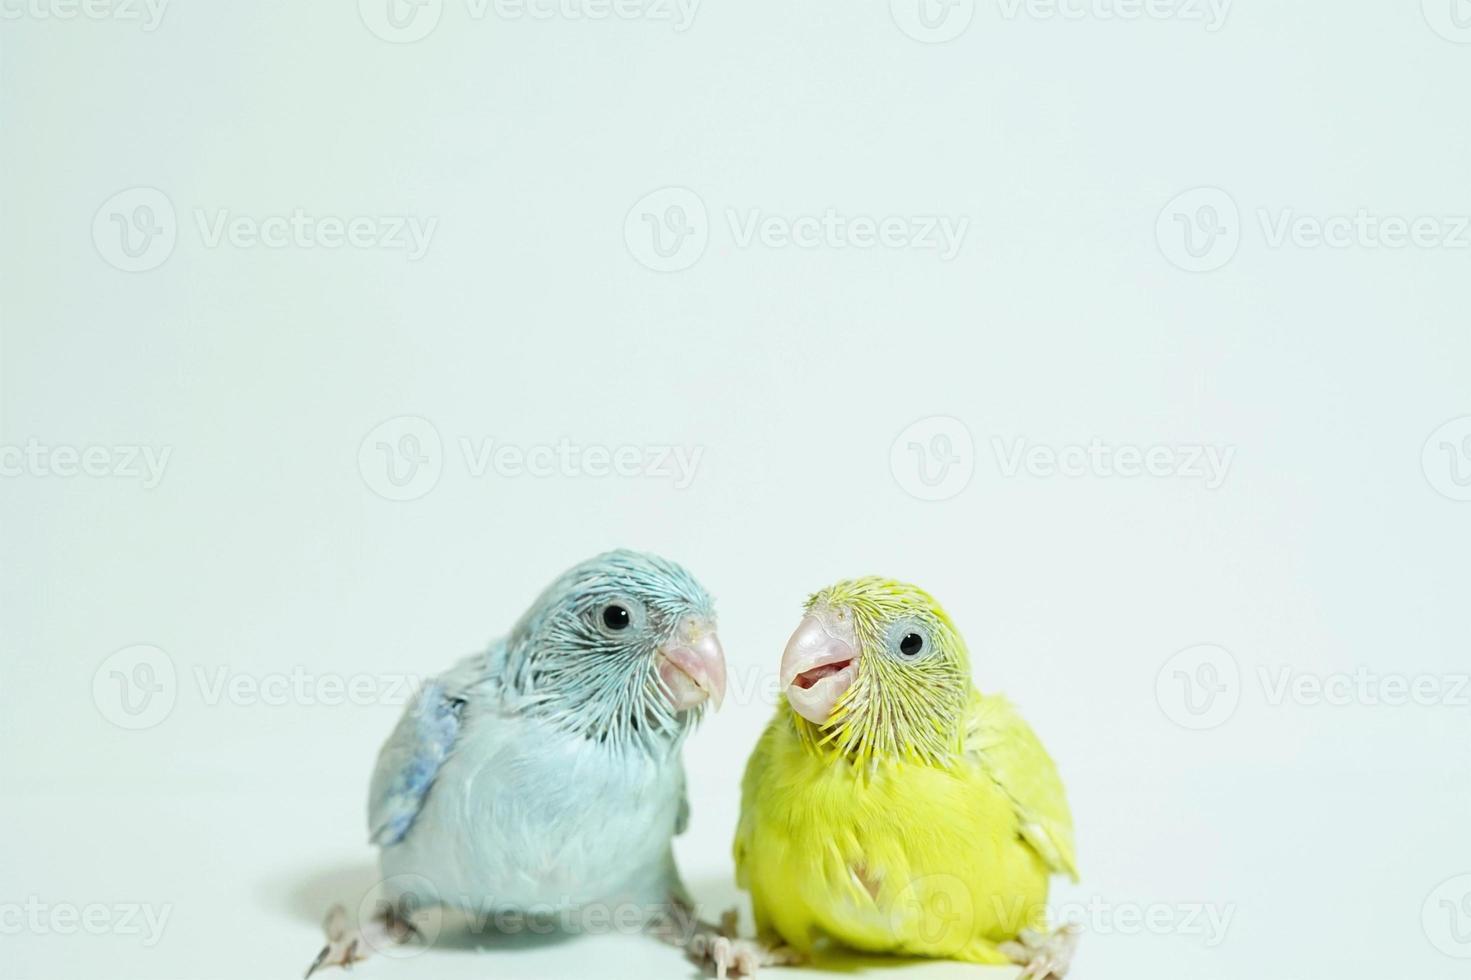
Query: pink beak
{"x": 820, "y": 663}
{"x": 692, "y": 665}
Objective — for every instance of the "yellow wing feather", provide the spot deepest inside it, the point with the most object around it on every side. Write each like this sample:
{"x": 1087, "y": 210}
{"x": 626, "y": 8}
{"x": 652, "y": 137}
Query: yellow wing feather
{"x": 1010, "y": 753}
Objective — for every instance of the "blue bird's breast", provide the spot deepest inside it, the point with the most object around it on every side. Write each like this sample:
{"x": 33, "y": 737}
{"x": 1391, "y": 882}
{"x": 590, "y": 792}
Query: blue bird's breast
{"x": 522, "y": 815}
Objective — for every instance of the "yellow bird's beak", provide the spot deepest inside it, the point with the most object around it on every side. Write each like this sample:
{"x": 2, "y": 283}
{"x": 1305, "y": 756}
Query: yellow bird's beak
{"x": 820, "y": 663}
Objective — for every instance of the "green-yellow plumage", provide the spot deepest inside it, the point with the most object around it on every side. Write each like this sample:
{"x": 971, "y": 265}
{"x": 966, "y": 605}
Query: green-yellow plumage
{"x": 921, "y": 818}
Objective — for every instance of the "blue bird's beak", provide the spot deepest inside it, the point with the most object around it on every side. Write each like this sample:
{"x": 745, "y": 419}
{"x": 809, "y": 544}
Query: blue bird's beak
{"x": 692, "y": 665}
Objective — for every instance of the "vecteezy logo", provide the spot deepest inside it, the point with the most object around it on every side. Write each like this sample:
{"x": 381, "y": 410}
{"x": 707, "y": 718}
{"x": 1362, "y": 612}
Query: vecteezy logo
{"x": 135, "y": 688}
{"x": 1199, "y": 687}
{"x": 1446, "y": 917}
{"x": 934, "y": 458}
{"x": 402, "y": 458}
{"x": 1199, "y": 230}
{"x": 1446, "y": 459}
{"x": 1451, "y": 19}
{"x": 934, "y": 908}
{"x": 401, "y": 21}
{"x": 932, "y": 21}
{"x": 667, "y": 230}
{"x": 135, "y": 229}
{"x": 405, "y": 906}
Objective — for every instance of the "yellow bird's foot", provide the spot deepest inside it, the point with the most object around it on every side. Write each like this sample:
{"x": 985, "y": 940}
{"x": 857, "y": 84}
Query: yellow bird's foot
{"x": 1044, "y": 957}
{"x": 746, "y": 957}
{"x": 732, "y": 956}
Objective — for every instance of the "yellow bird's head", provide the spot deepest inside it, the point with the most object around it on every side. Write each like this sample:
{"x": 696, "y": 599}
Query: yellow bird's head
{"x": 876, "y": 670}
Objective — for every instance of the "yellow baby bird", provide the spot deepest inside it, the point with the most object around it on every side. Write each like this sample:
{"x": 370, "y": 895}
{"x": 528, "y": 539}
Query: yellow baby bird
{"x": 889, "y": 807}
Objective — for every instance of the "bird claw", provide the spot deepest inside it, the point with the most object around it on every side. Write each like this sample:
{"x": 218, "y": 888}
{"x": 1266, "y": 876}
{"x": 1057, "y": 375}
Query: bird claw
{"x": 1044, "y": 957}
{"x": 735, "y": 957}
{"x": 346, "y": 946}
{"x": 342, "y": 949}
{"x": 745, "y": 957}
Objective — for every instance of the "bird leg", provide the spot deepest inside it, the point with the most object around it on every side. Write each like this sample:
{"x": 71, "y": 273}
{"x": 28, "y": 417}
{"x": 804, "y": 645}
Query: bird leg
{"x": 1043, "y": 957}
{"x": 731, "y": 956}
{"x": 346, "y": 946}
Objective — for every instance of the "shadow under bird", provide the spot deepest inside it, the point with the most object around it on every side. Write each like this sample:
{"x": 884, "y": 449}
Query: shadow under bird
{"x": 544, "y": 773}
{"x": 889, "y": 807}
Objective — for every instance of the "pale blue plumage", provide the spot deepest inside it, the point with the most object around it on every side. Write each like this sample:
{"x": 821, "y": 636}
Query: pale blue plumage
{"x": 427, "y": 732}
{"x": 545, "y": 772}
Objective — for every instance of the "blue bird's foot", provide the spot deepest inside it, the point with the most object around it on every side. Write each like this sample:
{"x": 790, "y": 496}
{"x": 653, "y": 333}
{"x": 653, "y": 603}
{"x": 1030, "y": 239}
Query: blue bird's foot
{"x": 1044, "y": 957}
{"x": 346, "y": 946}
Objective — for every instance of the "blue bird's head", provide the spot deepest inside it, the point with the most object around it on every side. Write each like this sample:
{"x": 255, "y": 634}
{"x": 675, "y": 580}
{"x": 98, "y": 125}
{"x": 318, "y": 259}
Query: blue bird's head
{"x": 622, "y": 649}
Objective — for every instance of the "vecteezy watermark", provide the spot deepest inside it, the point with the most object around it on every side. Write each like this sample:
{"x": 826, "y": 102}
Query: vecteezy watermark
{"x": 1446, "y": 917}
{"x": 306, "y": 688}
{"x": 146, "y": 13}
{"x": 416, "y": 899}
{"x": 566, "y": 458}
{"x": 1363, "y": 229}
{"x": 407, "y": 233}
{"x": 932, "y": 21}
{"x": 943, "y": 904}
{"x": 41, "y": 918}
{"x": 136, "y": 230}
{"x": 1206, "y": 921}
{"x": 37, "y": 459}
{"x": 937, "y": 233}
{"x": 680, "y": 14}
{"x": 1199, "y": 688}
{"x": 405, "y": 898}
{"x": 406, "y": 21}
{"x": 403, "y": 459}
{"x": 1206, "y": 463}
{"x": 753, "y": 685}
{"x": 136, "y": 687}
{"x": 401, "y": 21}
{"x": 669, "y": 229}
{"x": 1199, "y": 230}
{"x": 1363, "y": 686}
{"x": 933, "y": 458}
{"x": 1451, "y": 19}
{"x": 1446, "y": 459}
{"x": 1211, "y": 13}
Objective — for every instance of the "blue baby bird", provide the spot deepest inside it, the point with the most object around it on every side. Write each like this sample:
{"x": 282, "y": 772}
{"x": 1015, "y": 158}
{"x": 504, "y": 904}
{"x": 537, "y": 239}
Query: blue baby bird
{"x": 544, "y": 774}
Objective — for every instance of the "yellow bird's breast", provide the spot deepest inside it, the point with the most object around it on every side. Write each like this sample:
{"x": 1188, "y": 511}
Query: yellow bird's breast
{"x": 900, "y": 857}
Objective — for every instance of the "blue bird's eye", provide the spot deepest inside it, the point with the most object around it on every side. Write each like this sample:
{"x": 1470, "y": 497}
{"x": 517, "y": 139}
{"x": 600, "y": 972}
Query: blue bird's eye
{"x": 616, "y": 617}
{"x": 620, "y": 617}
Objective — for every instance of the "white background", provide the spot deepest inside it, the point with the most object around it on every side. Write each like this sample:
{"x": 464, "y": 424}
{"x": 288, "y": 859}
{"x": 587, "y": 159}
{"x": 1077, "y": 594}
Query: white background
{"x": 1331, "y": 835}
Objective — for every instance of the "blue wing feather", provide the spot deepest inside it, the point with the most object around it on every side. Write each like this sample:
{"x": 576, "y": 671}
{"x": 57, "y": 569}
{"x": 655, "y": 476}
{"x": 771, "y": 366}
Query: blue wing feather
{"x": 413, "y": 754}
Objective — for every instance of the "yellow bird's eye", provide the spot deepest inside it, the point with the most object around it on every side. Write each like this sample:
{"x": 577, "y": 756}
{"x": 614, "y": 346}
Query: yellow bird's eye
{"x": 909, "y": 641}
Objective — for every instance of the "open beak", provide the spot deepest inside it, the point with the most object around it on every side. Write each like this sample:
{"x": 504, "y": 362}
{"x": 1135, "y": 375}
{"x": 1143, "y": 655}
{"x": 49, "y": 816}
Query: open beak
{"x": 819, "y": 664}
{"x": 692, "y": 665}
